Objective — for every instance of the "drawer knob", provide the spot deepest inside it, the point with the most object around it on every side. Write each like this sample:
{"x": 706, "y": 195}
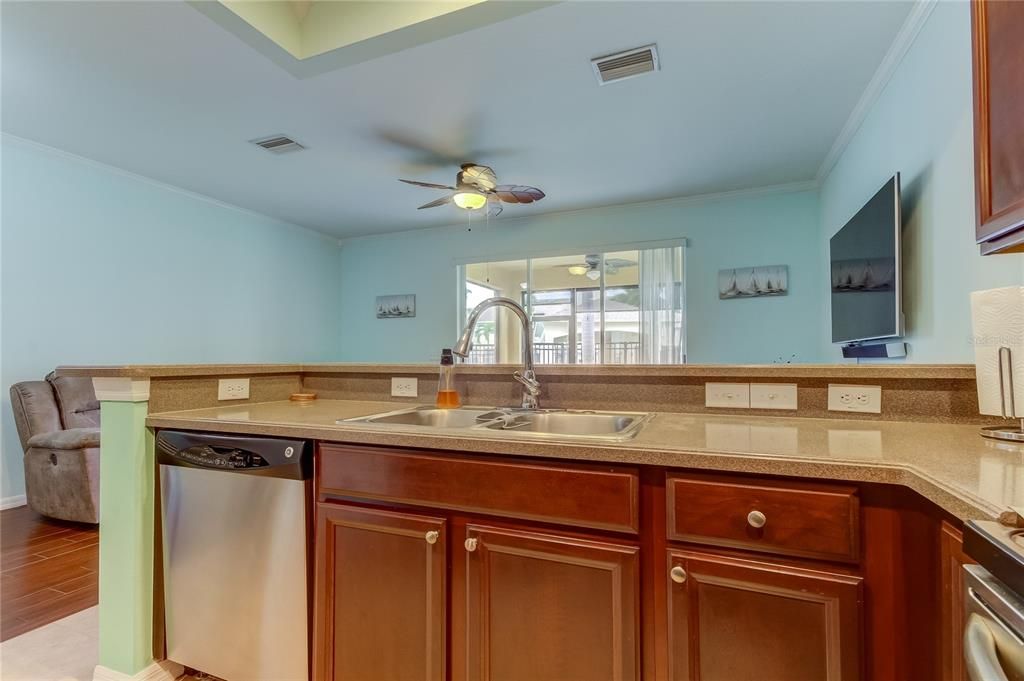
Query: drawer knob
{"x": 471, "y": 544}
{"x": 432, "y": 536}
{"x": 757, "y": 519}
{"x": 678, "y": 574}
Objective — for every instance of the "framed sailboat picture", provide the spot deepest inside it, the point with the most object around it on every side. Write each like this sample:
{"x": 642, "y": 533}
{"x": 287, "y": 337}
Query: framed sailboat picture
{"x": 396, "y": 307}
{"x": 753, "y": 282}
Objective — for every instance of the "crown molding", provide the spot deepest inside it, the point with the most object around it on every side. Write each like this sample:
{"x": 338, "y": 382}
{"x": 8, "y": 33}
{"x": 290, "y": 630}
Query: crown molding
{"x": 10, "y": 138}
{"x": 901, "y": 44}
{"x": 786, "y": 188}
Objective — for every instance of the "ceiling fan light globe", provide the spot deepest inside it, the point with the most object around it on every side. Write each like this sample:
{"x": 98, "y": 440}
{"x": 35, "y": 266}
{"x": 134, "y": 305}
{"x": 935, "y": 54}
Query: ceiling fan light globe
{"x": 469, "y": 200}
{"x": 578, "y": 270}
{"x": 593, "y": 275}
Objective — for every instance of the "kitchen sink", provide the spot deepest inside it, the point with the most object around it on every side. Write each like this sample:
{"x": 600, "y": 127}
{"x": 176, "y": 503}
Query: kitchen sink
{"x": 541, "y": 423}
{"x": 431, "y": 417}
{"x": 573, "y": 424}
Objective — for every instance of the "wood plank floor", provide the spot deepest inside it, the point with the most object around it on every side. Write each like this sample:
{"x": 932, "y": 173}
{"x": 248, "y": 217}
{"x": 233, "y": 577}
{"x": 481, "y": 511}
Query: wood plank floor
{"x": 48, "y": 570}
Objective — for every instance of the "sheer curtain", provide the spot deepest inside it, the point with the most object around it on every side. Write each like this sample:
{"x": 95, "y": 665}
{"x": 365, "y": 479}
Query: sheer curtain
{"x": 662, "y": 332}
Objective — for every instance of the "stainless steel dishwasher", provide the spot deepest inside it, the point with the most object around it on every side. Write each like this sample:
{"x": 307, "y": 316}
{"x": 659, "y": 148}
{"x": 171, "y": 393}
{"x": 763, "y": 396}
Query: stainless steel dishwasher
{"x": 236, "y": 514}
{"x": 994, "y": 602}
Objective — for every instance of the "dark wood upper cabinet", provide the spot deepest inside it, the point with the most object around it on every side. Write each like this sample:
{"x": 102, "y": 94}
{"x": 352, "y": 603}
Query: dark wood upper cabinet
{"x": 380, "y": 596}
{"x": 998, "y": 27}
{"x": 544, "y": 607}
{"x": 733, "y": 619}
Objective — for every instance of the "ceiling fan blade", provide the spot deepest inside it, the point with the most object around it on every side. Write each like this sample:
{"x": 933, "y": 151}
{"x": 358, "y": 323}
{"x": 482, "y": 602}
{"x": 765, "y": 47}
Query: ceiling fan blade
{"x": 429, "y": 185}
{"x": 517, "y": 193}
{"x": 423, "y": 153}
{"x": 436, "y": 202}
{"x": 619, "y": 262}
{"x": 479, "y": 176}
{"x": 493, "y": 206}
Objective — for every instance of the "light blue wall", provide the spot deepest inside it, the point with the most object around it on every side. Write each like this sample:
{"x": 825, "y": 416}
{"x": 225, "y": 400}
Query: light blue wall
{"x": 768, "y": 229}
{"x": 99, "y": 266}
{"x": 922, "y": 126}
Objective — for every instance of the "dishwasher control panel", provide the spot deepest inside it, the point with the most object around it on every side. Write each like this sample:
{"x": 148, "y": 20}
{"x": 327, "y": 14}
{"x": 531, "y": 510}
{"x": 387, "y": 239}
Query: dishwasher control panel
{"x": 217, "y": 457}
{"x": 273, "y": 457}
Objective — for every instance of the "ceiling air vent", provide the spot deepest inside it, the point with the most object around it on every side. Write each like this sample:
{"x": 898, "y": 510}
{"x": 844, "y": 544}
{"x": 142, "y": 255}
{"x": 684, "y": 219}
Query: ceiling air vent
{"x": 278, "y": 144}
{"x": 628, "y": 64}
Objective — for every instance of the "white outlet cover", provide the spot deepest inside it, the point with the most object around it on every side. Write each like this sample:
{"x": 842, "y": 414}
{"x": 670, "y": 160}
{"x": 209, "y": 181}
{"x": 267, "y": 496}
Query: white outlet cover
{"x": 404, "y": 387}
{"x": 727, "y": 395}
{"x": 233, "y": 389}
{"x": 866, "y": 399}
{"x": 773, "y": 395}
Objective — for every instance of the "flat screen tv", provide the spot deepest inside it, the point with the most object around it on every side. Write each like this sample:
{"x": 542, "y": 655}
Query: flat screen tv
{"x": 865, "y": 264}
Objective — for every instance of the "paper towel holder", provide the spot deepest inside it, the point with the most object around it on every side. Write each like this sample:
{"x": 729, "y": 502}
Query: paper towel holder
{"x": 1008, "y": 433}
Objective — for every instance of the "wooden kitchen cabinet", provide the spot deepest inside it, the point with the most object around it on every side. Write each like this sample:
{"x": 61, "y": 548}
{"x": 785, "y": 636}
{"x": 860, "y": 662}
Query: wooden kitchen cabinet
{"x": 951, "y": 553}
{"x": 380, "y": 605}
{"x": 544, "y": 607}
{"x": 740, "y": 619}
{"x": 998, "y": 111}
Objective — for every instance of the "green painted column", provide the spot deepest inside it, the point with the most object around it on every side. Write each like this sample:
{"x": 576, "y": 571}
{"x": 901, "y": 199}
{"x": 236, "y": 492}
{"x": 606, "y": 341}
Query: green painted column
{"x": 127, "y": 521}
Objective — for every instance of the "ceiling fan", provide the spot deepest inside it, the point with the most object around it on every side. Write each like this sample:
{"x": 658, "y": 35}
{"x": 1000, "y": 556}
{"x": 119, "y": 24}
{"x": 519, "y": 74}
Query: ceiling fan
{"x": 477, "y": 186}
{"x": 591, "y": 267}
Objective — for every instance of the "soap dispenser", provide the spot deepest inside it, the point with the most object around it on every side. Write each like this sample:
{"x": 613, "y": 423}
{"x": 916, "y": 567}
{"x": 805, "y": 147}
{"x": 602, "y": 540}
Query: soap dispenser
{"x": 447, "y": 395}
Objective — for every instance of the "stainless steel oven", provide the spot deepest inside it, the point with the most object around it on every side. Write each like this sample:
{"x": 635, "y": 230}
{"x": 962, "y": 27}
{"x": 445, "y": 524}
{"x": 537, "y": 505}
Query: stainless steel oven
{"x": 994, "y": 602}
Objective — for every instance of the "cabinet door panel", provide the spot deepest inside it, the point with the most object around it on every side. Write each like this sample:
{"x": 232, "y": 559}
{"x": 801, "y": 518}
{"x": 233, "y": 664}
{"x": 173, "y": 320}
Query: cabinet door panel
{"x": 953, "y": 561}
{"x": 546, "y": 608}
{"x": 380, "y": 596}
{"x": 998, "y": 111}
{"x": 743, "y": 620}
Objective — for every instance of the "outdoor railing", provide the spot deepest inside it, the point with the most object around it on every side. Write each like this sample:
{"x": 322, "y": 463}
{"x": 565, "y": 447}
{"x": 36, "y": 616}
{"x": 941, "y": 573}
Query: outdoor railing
{"x": 558, "y": 353}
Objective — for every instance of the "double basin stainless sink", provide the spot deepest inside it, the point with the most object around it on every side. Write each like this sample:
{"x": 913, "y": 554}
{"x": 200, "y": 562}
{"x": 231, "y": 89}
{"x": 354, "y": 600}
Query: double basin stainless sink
{"x": 543, "y": 423}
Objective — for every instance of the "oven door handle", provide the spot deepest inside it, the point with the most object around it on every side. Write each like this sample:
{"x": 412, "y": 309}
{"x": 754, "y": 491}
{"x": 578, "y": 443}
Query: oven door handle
{"x": 980, "y": 651}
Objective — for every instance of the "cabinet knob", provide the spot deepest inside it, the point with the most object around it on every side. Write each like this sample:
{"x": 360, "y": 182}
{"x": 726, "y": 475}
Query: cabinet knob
{"x": 757, "y": 519}
{"x": 432, "y": 536}
{"x": 471, "y": 544}
{"x": 678, "y": 574}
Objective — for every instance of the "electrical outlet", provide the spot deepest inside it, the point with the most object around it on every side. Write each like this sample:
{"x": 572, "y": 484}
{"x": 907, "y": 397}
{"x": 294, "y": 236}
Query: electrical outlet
{"x": 862, "y": 398}
{"x": 773, "y": 395}
{"x": 404, "y": 387}
{"x": 233, "y": 389}
{"x": 734, "y": 395}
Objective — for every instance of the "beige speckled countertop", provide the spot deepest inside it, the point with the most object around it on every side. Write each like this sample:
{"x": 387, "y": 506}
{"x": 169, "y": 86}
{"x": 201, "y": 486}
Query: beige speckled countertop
{"x": 951, "y": 465}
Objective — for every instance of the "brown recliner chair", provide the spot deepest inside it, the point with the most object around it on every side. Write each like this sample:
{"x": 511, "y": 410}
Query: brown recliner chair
{"x": 58, "y": 422}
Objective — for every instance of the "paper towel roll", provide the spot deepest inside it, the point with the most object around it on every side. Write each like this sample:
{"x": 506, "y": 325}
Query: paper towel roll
{"x": 998, "y": 320}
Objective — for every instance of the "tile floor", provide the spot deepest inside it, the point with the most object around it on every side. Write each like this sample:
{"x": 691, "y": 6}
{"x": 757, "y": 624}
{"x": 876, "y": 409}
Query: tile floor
{"x": 65, "y": 650}
{"x": 48, "y": 570}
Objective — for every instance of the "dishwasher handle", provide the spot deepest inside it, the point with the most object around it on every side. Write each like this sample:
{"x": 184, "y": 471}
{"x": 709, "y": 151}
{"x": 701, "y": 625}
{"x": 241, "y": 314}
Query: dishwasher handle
{"x": 264, "y": 456}
{"x": 980, "y": 651}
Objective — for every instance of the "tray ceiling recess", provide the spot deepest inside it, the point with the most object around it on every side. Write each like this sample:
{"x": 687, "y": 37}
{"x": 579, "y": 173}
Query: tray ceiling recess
{"x": 310, "y": 37}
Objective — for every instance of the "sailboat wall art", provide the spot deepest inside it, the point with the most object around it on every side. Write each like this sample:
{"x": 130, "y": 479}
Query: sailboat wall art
{"x": 753, "y": 282}
{"x": 396, "y": 307}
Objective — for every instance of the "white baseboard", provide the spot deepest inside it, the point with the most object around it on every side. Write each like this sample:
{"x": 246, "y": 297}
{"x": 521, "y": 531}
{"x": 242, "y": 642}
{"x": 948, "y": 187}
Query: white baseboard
{"x": 164, "y": 670}
{"x": 12, "y": 502}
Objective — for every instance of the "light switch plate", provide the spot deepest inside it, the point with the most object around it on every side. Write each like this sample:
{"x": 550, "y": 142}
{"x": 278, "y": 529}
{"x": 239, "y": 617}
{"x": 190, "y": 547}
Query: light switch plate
{"x": 861, "y": 398}
{"x": 773, "y": 395}
{"x": 727, "y": 395}
{"x": 233, "y": 389}
{"x": 404, "y": 387}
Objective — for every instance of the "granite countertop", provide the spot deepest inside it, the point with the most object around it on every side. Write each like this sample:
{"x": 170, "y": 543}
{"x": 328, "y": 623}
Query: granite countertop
{"x": 949, "y": 464}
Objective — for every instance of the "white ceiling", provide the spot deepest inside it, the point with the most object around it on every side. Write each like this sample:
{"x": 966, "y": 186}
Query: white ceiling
{"x": 750, "y": 94}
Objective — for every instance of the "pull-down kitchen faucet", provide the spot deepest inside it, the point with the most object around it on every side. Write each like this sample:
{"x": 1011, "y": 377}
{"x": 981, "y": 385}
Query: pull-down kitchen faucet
{"x": 531, "y": 388}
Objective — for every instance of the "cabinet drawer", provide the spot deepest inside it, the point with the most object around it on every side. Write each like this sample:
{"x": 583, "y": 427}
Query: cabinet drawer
{"x": 601, "y": 497}
{"x": 799, "y": 519}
